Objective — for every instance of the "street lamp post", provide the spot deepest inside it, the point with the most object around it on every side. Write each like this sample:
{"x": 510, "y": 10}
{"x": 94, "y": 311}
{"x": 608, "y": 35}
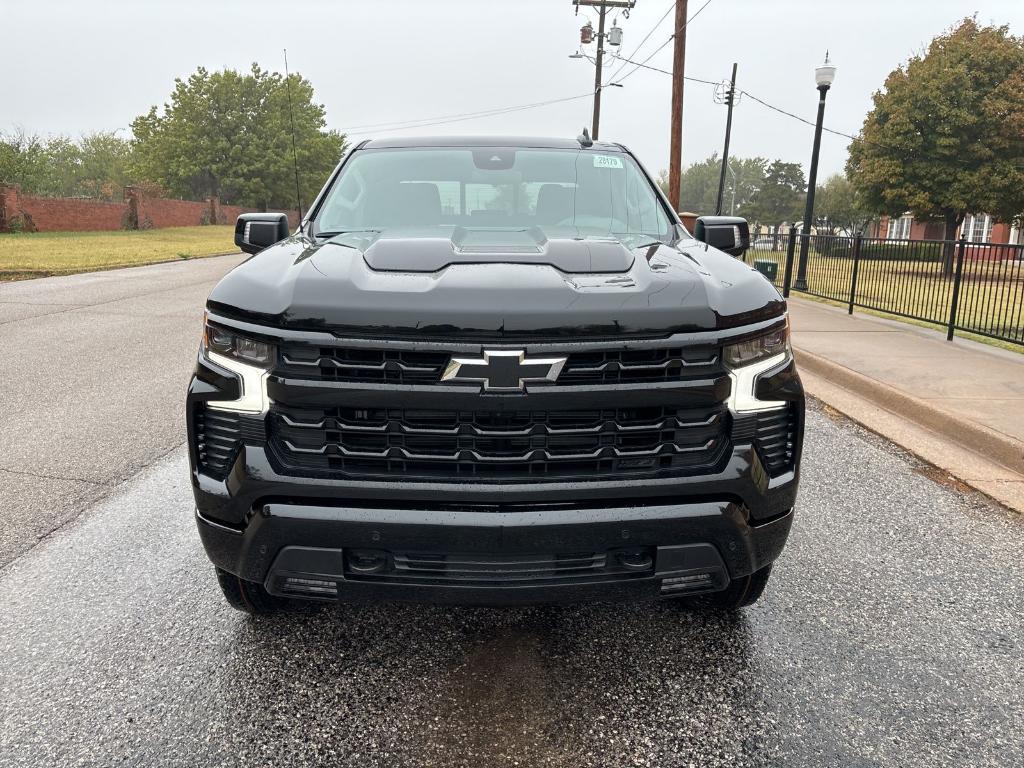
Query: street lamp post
{"x": 824, "y": 77}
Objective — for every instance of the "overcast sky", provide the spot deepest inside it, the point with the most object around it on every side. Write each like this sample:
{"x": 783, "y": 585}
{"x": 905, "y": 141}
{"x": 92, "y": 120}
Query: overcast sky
{"x": 79, "y": 66}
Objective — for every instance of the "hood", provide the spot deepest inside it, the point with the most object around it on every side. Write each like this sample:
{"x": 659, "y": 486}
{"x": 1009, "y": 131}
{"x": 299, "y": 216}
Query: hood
{"x": 565, "y": 250}
{"x": 494, "y": 284}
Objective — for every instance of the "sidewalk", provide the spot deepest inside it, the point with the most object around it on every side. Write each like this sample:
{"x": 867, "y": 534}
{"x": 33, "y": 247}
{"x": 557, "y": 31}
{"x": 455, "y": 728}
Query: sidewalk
{"x": 958, "y": 405}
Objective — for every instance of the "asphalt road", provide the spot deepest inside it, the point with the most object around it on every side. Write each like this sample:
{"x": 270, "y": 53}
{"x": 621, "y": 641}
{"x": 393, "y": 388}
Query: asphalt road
{"x": 93, "y": 369}
{"x": 891, "y": 633}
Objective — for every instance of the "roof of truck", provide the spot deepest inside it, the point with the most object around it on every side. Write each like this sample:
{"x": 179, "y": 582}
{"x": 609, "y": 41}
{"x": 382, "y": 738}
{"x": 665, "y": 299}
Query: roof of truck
{"x": 531, "y": 142}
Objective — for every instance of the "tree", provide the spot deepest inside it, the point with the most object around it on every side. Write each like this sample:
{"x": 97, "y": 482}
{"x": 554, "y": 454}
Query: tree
{"x": 104, "y": 160}
{"x": 837, "y": 207}
{"x": 95, "y": 166}
{"x": 946, "y": 134}
{"x": 698, "y": 184}
{"x": 23, "y": 161}
{"x": 781, "y": 195}
{"x": 228, "y": 134}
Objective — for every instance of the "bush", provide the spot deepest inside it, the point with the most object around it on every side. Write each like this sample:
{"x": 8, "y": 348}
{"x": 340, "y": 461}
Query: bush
{"x": 21, "y": 223}
{"x": 880, "y": 250}
{"x": 909, "y": 250}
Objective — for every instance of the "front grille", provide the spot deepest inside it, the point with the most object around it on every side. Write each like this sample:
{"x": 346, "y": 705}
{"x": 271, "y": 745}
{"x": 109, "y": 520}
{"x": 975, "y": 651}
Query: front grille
{"x": 515, "y": 445}
{"x": 375, "y": 366}
{"x": 488, "y": 569}
{"x": 622, "y": 366}
{"x": 219, "y": 436}
{"x": 406, "y": 366}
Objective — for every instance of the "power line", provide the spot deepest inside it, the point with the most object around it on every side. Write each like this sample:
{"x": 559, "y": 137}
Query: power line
{"x": 444, "y": 119}
{"x": 641, "y": 45}
{"x": 808, "y": 122}
{"x": 667, "y": 72}
{"x": 780, "y": 110}
{"x": 670, "y": 39}
{"x": 400, "y": 125}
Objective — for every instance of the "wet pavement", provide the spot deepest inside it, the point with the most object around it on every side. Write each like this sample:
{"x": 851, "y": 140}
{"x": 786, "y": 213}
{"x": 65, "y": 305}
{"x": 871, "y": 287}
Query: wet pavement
{"x": 890, "y": 634}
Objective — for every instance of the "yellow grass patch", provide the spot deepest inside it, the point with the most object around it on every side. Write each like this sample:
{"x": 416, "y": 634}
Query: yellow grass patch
{"x": 39, "y": 254}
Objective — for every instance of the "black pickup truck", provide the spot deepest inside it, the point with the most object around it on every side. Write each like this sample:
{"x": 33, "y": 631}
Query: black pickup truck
{"x": 493, "y": 371}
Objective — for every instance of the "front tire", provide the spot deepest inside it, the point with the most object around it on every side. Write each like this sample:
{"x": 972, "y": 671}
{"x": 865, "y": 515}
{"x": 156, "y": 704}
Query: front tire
{"x": 248, "y": 596}
{"x": 740, "y": 593}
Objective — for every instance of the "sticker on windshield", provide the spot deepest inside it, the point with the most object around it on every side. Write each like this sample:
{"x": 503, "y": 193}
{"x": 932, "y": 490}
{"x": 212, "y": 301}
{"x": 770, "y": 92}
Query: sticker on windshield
{"x": 607, "y": 161}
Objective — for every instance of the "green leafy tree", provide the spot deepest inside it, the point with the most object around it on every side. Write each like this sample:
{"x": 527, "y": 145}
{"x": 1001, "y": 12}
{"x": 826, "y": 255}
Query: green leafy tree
{"x": 781, "y": 195}
{"x": 229, "y": 134}
{"x": 946, "y": 134}
{"x": 23, "y": 161}
{"x": 698, "y": 184}
{"x": 95, "y": 166}
{"x": 104, "y": 160}
{"x": 837, "y": 207}
{"x": 61, "y": 168}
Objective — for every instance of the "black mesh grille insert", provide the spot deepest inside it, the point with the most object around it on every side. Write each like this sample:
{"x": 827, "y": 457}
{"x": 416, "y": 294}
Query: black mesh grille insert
{"x": 378, "y": 366}
{"x": 523, "y": 445}
{"x": 488, "y": 569}
{"x": 773, "y": 433}
{"x": 219, "y": 436}
{"x": 622, "y": 366}
{"x": 405, "y": 366}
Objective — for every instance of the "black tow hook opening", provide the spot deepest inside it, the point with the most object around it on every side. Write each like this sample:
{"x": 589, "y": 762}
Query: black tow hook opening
{"x": 366, "y": 561}
{"x": 635, "y": 560}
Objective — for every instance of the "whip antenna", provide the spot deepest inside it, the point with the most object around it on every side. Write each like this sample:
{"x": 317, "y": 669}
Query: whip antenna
{"x": 291, "y": 118}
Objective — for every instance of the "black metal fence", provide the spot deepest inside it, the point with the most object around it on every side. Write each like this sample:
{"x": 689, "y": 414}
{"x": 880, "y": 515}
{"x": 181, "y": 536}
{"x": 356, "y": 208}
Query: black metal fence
{"x": 961, "y": 285}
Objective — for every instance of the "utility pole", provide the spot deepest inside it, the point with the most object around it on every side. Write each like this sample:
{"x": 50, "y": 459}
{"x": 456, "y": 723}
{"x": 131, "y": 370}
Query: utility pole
{"x": 730, "y": 99}
{"x": 678, "y": 67}
{"x": 598, "y": 60}
{"x": 602, "y": 7}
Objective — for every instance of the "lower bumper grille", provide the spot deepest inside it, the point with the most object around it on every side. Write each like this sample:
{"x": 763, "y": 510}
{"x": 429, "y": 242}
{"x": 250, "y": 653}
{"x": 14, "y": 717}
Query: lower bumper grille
{"x": 461, "y": 445}
{"x": 486, "y": 569}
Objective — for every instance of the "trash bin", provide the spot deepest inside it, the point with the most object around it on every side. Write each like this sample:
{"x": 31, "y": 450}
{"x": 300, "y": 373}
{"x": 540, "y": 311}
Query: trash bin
{"x": 769, "y": 269}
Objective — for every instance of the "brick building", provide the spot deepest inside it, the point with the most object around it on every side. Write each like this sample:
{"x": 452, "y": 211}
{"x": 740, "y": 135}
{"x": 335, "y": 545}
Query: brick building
{"x": 977, "y": 228}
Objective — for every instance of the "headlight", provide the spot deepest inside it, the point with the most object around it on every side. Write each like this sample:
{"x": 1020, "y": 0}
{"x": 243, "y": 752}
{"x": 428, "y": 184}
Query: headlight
{"x": 226, "y": 342}
{"x": 755, "y": 350}
{"x": 747, "y": 360}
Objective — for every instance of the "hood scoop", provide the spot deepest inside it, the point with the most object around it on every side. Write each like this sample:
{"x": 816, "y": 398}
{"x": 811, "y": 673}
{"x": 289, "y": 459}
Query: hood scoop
{"x": 407, "y": 251}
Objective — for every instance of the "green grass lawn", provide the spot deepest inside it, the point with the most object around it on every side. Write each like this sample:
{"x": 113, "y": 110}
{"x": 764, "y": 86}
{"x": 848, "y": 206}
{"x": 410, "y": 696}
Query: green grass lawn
{"x": 40, "y": 254}
{"x": 991, "y": 292}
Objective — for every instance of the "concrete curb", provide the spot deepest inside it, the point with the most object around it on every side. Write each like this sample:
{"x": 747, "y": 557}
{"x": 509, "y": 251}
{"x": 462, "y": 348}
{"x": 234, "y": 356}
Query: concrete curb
{"x": 998, "y": 447}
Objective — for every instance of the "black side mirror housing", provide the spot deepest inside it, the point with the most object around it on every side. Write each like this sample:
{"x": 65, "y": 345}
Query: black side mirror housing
{"x": 256, "y": 231}
{"x": 729, "y": 234}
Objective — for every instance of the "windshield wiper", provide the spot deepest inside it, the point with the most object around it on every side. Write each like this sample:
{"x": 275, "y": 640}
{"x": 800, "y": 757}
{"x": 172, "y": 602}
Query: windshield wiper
{"x": 344, "y": 232}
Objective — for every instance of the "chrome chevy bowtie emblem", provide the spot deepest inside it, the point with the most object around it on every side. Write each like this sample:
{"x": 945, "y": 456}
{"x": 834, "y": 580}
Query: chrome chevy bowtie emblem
{"x": 506, "y": 370}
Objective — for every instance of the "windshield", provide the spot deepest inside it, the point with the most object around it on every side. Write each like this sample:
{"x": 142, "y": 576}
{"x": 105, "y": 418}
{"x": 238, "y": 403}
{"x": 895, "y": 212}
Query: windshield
{"x": 493, "y": 188}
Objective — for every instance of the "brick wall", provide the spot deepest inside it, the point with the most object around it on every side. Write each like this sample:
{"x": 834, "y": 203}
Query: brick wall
{"x": 161, "y": 212}
{"x": 137, "y": 211}
{"x": 48, "y": 214}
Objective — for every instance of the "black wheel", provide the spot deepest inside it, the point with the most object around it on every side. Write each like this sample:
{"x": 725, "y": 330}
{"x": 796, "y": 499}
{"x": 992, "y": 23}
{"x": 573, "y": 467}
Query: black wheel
{"x": 248, "y": 596}
{"x": 740, "y": 593}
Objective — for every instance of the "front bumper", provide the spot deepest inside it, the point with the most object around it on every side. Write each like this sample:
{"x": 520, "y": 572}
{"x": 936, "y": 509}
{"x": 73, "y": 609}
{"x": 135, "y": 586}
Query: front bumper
{"x": 268, "y": 525}
{"x": 307, "y": 550}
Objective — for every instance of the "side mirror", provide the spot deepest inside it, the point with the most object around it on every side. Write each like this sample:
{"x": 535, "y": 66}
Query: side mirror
{"x": 256, "y": 231}
{"x": 730, "y": 234}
